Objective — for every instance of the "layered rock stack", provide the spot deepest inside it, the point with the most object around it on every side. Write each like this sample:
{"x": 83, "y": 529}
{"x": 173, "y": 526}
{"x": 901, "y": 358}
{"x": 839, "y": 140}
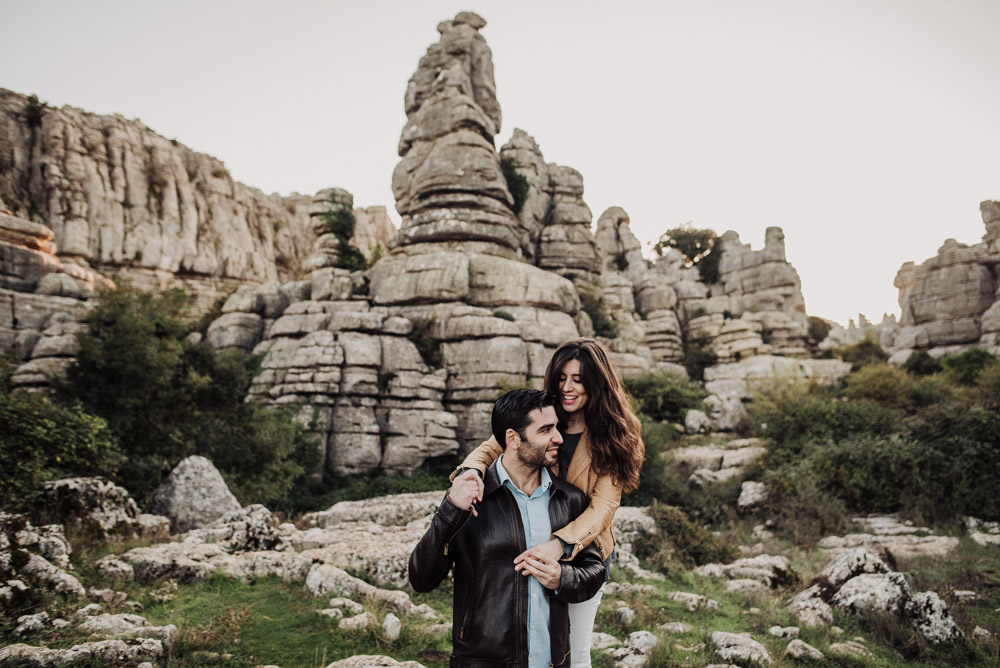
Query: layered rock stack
{"x": 952, "y": 301}
{"x": 449, "y": 185}
{"x": 402, "y": 362}
{"x": 653, "y": 299}
{"x": 457, "y": 266}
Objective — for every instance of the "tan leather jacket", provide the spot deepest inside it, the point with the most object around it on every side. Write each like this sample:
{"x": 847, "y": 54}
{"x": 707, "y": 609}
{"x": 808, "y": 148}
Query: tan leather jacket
{"x": 596, "y": 523}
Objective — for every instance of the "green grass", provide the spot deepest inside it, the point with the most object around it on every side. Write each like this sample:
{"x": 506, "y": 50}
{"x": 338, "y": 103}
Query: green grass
{"x": 269, "y": 621}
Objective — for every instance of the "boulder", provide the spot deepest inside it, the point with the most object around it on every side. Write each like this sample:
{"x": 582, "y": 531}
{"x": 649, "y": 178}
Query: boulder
{"x": 696, "y": 422}
{"x": 870, "y": 593}
{"x": 636, "y": 650}
{"x": 752, "y": 495}
{"x": 92, "y": 505}
{"x": 739, "y": 648}
{"x": 852, "y": 563}
{"x": 798, "y": 649}
{"x": 929, "y": 614}
{"x": 194, "y": 495}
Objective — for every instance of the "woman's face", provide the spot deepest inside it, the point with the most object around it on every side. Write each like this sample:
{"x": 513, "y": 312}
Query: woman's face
{"x": 571, "y": 390}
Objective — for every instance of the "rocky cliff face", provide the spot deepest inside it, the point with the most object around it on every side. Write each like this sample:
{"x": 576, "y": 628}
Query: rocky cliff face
{"x": 402, "y": 362}
{"x": 122, "y": 199}
{"x": 952, "y": 301}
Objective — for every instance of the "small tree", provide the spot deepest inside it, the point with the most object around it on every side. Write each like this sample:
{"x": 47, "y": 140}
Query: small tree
{"x": 166, "y": 398}
{"x": 696, "y": 246}
{"x": 517, "y": 184}
{"x": 866, "y": 351}
{"x": 818, "y": 328}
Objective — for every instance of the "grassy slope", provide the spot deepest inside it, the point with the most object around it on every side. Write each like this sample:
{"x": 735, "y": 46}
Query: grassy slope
{"x": 270, "y": 622}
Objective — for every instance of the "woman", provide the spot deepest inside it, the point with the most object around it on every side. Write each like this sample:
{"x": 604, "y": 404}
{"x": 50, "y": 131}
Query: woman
{"x": 601, "y": 454}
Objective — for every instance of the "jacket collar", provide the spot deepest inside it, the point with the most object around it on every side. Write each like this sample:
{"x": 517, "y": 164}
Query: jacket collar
{"x": 491, "y": 481}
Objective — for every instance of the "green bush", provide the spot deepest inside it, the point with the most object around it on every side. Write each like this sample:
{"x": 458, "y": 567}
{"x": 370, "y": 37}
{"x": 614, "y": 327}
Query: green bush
{"x": 794, "y": 413}
{"x": 516, "y": 184}
{"x": 166, "y": 398}
{"x": 866, "y": 351}
{"x": 592, "y": 304}
{"x": 655, "y": 476}
{"x": 503, "y": 315}
{"x": 895, "y": 388}
{"x": 33, "y": 111}
{"x": 697, "y": 247}
{"x": 680, "y": 541}
{"x": 41, "y": 441}
{"x": 340, "y": 222}
{"x": 966, "y": 365}
{"x": 921, "y": 364}
{"x": 926, "y": 446}
{"x": 818, "y": 328}
{"x": 428, "y": 347}
{"x": 665, "y": 396}
{"x": 698, "y": 357}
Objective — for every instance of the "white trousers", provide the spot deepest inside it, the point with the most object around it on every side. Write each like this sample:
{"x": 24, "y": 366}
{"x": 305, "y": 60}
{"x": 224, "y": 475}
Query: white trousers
{"x": 581, "y": 629}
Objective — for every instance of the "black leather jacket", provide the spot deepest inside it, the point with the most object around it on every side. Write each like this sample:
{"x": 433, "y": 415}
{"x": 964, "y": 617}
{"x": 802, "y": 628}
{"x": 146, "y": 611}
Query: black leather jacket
{"x": 491, "y": 598}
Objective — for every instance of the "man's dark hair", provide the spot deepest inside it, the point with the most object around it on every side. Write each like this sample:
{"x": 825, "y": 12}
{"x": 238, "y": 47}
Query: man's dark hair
{"x": 512, "y": 411}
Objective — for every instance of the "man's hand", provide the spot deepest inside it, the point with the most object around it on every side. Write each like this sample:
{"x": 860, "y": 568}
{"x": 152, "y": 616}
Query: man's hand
{"x": 547, "y": 571}
{"x": 466, "y": 491}
{"x": 552, "y": 549}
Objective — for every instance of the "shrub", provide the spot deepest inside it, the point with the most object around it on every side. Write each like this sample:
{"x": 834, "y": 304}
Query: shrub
{"x": 921, "y": 364}
{"x": 697, "y": 358}
{"x": 697, "y": 247}
{"x": 503, "y": 315}
{"x": 621, "y": 261}
{"x": 818, "y": 328}
{"x": 41, "y": 441}
{"x": 665, "y": 396}
{"x": 516, "y": 183}
{"x": 866, "y": 351}
{"x": 340, "y": 222}
{"x": 895, "y": 388}
{"x": 33, "y": 111}
{"x": 166, "y": 398}
{"x": 680, "y": 540}
{"x": 655, "y": 477}
{"x": 794, "y": 413}
{"x": 592, "y": 304}
{"x": 965, "y": 366}
{"x": 921, "y": 445}
{"x": 428, "y": 347}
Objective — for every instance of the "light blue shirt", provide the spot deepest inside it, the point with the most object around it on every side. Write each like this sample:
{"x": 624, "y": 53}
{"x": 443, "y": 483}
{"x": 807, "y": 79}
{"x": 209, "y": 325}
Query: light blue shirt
{"x": 537, "y": 529}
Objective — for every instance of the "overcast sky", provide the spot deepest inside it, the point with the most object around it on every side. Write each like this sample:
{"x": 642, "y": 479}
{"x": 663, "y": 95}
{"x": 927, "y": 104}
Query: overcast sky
{"x": 869, "y": 130}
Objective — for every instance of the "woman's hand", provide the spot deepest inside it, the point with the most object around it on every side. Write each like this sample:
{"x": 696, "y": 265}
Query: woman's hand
{"x": 547, "y": 571}
{"x": 466, "y": 491}
{"x": 553, "y": 549}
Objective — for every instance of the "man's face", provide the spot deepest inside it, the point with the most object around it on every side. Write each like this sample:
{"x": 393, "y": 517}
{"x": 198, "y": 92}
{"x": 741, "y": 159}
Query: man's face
{"x": 540, "y": 445}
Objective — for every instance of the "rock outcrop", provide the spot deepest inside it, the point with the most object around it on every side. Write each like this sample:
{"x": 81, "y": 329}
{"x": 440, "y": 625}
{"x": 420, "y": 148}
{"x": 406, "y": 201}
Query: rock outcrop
{"x": 952, "y": 301}
{"x": 494, "y": 266}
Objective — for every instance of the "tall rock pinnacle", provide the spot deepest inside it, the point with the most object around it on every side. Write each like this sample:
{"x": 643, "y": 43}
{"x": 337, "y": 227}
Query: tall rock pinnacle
{"x": 449, "y": 185}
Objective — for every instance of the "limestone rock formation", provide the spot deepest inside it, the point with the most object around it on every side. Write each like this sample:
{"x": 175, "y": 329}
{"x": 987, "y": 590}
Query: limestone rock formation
{"x": 952, "y": 301}
{"x": 449, "y": 185}
{"x": 400, "y": 363}
{"x": 120, "y": 198}
{"x": 93, "y": 505}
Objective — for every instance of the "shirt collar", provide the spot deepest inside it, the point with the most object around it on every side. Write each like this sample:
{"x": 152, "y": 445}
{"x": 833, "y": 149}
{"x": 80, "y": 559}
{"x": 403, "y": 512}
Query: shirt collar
{"x": 505, "y": 478}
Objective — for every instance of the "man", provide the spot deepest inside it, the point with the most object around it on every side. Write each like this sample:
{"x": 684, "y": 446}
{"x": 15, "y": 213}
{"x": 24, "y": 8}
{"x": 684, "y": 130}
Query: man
{"x": 502, "y": 615}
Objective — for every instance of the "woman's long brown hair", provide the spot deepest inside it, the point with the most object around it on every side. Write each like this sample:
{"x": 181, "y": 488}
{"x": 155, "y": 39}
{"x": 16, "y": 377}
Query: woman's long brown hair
{"x": 614, "y": 431}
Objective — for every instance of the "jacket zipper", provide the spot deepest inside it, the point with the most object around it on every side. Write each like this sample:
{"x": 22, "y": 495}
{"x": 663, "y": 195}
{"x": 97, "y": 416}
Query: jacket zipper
{"x": 520, "y": 585}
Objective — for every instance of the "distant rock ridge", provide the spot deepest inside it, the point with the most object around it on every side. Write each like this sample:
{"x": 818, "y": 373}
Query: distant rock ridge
{"x": 121, "y": 199}
{"x": 952, "y": 301}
